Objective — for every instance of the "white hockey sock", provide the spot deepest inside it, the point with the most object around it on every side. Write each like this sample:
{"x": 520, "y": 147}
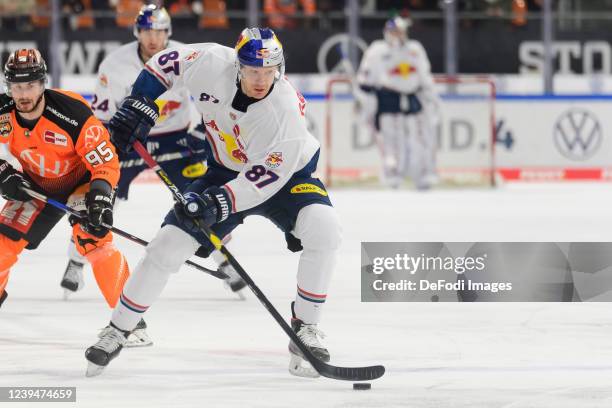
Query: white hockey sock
{"x": 314, "y": 273}
{"x": 318, "y": 229}
{"x": 170, "y": 248}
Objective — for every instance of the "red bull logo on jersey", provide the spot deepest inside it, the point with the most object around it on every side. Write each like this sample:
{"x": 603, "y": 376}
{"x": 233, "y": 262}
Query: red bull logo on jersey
{"x": 103, "y": 80}
{"x": 240, "y": 155}
{"x": 402, "y": 69}
{"x": 274, "y": 160}
{"x": 166, "y": 108}
{"x": 192, "y": 56}
{"x": 233, "y": 147}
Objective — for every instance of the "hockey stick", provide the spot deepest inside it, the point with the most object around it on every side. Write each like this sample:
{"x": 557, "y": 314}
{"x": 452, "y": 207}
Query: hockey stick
{"x": 326, "y": 370}
{"x": 159, "y": 158}
{"x": 71, "y": 211}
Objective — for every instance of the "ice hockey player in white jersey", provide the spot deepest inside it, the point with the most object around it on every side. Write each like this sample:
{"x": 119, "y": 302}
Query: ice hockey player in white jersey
{"x": 262, "y": 160}
{"x": 181, "y": 153}
{"x": 397, "y": 72}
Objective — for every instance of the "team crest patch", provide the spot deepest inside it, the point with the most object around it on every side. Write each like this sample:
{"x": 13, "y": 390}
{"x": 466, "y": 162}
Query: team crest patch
{"x": 194, "y": 170}
{"x": 5, "y": 125}
{"x": 274, "y": 160}
{"x": 232, "y": 115}
{"x": 93, "y": 134}
{"x": 55, "y": 138}
{"x": 307, "y": 188}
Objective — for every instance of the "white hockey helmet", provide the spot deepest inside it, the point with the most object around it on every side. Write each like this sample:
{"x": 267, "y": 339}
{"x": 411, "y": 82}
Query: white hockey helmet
{"x": 152, "y": 17}
{"x": 396, "y": 30}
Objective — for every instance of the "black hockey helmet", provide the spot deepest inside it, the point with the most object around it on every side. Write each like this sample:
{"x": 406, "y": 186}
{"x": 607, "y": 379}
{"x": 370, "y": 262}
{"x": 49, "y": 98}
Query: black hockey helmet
{"x": 25, "y": 65}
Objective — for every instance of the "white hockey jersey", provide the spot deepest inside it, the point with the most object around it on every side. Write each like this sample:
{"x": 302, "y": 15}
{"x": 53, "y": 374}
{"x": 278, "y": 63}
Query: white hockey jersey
{"x": 404, "y": 69}
{"x": 117, "y": 73}
{"x": 266, "y": 144}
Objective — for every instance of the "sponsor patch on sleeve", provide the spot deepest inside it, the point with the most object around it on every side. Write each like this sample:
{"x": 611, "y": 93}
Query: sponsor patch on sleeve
{"x": 307, "y": 188}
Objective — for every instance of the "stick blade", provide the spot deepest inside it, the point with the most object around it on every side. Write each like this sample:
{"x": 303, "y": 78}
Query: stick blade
{"x": 351, "y": 373}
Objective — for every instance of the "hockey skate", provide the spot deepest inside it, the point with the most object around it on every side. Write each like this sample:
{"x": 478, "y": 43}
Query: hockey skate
{"x": 106, "y": 349}
{"x": 73, "y": 278}
{"x": 235, "y": 283}
{"x": 309, "y": 334}
{"x": 137, "y": 338}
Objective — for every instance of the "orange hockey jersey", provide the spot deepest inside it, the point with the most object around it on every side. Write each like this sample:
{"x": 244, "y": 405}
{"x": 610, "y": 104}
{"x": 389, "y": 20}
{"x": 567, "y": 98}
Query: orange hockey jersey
{"x": 67, "y": 147}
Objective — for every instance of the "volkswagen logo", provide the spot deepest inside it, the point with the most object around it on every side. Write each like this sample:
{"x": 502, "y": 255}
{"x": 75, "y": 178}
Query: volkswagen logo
{"x": 577, "y": 134}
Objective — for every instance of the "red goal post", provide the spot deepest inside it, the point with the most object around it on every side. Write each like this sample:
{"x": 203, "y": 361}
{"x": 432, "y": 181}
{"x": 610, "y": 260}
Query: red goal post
{"x": 466, "y": 135}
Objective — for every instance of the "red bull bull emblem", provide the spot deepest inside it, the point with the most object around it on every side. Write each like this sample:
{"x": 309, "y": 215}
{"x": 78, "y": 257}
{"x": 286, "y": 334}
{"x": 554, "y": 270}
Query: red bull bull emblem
{"x": 403, "y": 69}
{"x": 103, "y": 80}
{"x": 192, "y": 56}
{"x": 169, "y": 107}
{"x": 274, "y": 160}
{"x": 239, "y": 154}
{"x": 262, "y": 53}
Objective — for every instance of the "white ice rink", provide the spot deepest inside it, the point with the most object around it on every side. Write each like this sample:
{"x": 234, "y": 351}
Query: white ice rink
{"x": 214, "y": 351}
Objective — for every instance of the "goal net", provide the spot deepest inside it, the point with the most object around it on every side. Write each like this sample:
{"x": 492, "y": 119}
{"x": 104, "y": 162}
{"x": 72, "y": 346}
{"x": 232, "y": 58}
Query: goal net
{"x": 350, "y": 153}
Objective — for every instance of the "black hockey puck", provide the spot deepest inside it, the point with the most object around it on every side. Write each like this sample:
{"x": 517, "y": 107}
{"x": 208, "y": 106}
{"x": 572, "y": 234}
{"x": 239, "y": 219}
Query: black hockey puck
{"x": 362, "y": 386}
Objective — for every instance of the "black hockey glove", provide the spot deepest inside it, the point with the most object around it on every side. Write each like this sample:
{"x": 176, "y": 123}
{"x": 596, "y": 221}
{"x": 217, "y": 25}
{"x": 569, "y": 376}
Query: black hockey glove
{"x": 196, "y": 140}
{"x": 132, "y": 122}
{"x": 11, "y": 182}
{"x": 99, "y": 203}
{"x": 208, "y": 208}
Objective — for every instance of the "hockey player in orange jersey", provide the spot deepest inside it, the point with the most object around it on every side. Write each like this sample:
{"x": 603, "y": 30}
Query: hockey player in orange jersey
{"x": 66, "y": 154}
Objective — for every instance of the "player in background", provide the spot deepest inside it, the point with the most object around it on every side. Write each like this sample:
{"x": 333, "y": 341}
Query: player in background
{"x": 65, "y": 153}
{"x": 180, "y": 152}
{"x": 261, "y": 160}
{"x": 397, "y": 72}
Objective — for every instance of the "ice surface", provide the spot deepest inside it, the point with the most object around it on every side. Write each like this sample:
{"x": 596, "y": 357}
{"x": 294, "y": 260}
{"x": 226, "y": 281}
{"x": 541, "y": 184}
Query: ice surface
{"x": 212, "y": 350}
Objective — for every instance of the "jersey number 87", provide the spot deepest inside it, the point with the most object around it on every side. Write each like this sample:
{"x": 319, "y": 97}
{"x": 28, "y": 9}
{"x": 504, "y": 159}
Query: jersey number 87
{"x": 165, "y": 58}
{"x": 259, "y": 171}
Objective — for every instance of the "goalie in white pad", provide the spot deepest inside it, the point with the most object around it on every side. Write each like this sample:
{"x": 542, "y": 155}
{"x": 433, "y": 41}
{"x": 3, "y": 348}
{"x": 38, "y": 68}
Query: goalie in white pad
{"x": 396, "y": 71}
{"x": 262, "y": 160}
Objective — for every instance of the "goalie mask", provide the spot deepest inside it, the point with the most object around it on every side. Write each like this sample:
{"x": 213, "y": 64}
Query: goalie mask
{"x": 396, "y": 30}
{"x": 259, "y": 47}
